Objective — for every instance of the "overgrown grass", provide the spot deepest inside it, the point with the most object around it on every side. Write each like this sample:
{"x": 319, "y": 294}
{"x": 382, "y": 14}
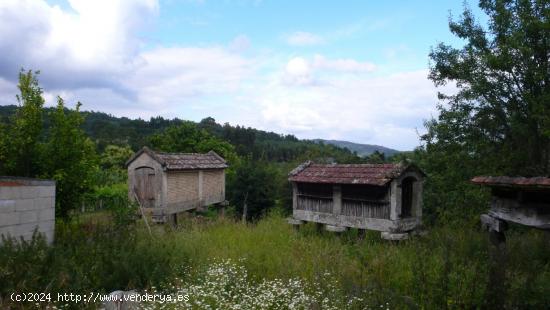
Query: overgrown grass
{"x": 448, "y": 268}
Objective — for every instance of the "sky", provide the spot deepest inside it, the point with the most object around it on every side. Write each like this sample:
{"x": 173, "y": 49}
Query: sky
{"x": 348, "y": 70}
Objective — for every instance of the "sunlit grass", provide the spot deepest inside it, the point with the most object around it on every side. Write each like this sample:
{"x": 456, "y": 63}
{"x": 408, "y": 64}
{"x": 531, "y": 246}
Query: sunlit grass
{"x": 446, "y": 268}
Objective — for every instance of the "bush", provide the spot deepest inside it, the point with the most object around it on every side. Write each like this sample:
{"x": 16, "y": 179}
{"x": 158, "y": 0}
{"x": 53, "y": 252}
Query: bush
{"x": 271, "y": 264}
{"x": 87, "y": 258}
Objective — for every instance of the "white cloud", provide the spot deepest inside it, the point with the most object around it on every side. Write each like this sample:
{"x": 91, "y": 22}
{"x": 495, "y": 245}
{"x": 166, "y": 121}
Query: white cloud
{"x": 92, "y": 45}
{"x": 94, "y": 54}
{"x": 241, "y": 43}
{"x": 7, "y": 92}
{"x": 381, "y": 110}
{"x": 311, "y": 72}
{"x": 343, "y": 65}
{"x": 172, "y": 77}
{"x": 302, "y": 38}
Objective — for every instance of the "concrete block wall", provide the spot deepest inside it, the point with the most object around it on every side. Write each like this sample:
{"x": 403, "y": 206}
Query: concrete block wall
{"x": 25, "y": 205}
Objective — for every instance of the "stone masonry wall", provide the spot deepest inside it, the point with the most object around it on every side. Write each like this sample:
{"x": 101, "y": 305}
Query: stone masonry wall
{"x": 26, "y": 205}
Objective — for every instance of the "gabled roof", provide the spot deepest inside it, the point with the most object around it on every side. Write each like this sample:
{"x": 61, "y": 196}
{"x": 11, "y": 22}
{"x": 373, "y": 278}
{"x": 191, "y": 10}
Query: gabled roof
{"x": 504, "y": 181}
{"x": 183, "y": 161}
{"x": 371, "y": 174}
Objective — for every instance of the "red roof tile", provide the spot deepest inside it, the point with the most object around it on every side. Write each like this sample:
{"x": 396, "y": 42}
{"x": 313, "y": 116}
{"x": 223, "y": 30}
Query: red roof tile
{"x": 184, "y": 161}
{"x": 504, "y": 181}
{"x": 373, "y": 174}
{"x": 9, "y": 183}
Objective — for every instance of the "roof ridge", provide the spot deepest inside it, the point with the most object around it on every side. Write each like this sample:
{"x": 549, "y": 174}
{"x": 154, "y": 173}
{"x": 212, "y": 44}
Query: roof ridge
{"x": 365, "y": 173}
{"x": 172, "y": 153}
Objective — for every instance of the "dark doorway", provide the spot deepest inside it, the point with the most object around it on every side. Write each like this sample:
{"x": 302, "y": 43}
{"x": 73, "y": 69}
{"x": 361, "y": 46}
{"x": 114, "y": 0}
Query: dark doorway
{"x": 407, "y": 196}
{"x": 145, "y": 186}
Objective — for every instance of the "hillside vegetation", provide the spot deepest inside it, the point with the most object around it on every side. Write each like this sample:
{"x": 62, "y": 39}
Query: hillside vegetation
{"x": 223, "y": 263}
{"x": 361, "y": 149}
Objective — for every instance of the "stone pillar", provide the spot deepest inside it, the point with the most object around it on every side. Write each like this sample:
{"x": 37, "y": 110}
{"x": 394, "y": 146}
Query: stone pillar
{"x": 294, "y": 195}
{"x": 418, "y": 192}
{"x": 174, "y": 220}
{"x": 295, "y": 223}
{"x": 200, "y": 187}
{"x": 395, "y": 200}
{"x": 318, "y": 227}
{"x": 336, "y": 199}
{"x": 163, "y": 203}
{"x": 361, "y": 233}
{"x": 496, "y": 289}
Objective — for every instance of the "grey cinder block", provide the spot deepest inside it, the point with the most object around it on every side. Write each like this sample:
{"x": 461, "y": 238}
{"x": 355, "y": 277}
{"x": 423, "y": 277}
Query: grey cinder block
{"x": 25, "y": 229}
{"x": 46, "y": 225}
{"x": 46, "y": 214}
{"x": 27, "y": 207}
{"x": 42, "y": 203}
{"x": 28, "y": 217}
{"x": 27, "y": 191}
{"x": 8, "y": 219}
{"x": 46, "y": 191}
{"x": 8, "y": 192}
{"x": 25, "y": 204}
{"x": 7, "y": 206}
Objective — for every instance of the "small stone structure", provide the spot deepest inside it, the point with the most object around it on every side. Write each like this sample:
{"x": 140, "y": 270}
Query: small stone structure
{"x": 166, "y": 184}
{"x": 519, "y": 200}
{"x": 25, "y": 205}
{"x": 382, "y": 197}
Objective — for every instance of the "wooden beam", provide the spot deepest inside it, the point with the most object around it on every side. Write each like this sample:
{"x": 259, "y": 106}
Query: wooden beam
{"x": 526, "y": 214}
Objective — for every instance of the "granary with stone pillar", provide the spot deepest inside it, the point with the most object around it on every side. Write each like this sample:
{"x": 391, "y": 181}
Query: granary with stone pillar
{"x": 381, "y": 197}
{"x": 514, "y": 200}
{"x": 165, "y": 184}
{"x": 520, "y": 200}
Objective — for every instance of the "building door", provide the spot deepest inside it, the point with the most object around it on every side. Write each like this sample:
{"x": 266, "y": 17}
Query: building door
{"x": 145, "y": 184}
{"x": 407, "y": 196}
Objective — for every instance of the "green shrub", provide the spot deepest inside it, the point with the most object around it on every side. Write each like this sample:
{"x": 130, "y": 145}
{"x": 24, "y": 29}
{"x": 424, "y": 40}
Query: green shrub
{"x": 87, "y": 258}
{"x": 448, "y": 268}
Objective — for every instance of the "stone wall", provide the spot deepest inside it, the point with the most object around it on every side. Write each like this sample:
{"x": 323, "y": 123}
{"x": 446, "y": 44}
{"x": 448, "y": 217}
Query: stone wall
{"x": 26, "y": 205}
{"x": 183, "y": 187}
{"x": 213, "y": 188}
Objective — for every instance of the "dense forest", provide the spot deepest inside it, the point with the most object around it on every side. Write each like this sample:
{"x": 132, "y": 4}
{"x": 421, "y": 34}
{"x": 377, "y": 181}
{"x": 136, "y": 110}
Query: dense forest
{"x": 496, "y": 123}
{"x": 105, "y": 129}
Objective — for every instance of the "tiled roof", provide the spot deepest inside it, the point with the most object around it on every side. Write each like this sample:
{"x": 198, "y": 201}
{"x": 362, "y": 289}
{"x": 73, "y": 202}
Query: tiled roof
{"x": 181, "y": 161}
{"x": 372, "y": 174}
{"x": 504, "y": 181}
{"x": 184, "y": 161}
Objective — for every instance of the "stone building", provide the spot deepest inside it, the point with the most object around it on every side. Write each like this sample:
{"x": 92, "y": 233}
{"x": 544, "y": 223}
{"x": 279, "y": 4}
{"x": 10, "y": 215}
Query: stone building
{"x": 514, "y": 200}
{"x": 519, "y": 200}
{"x": 169, "y": 183}
{"x": 27, "y": 205}
{"x": 382, "y": 197}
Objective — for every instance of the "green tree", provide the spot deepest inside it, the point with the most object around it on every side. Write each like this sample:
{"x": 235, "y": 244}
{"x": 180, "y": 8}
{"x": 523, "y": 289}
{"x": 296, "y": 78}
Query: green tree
{"x": 252, "y": 188}
{"x": 68, "y": 157}
{"x": 115, "y": 156}
{"x": 112, "y": 162}
{"x": 19, "y": 143}
{"x": 187, "y": 137}
{"x": 497, "y": 121}
{"x": 376, "y": 157}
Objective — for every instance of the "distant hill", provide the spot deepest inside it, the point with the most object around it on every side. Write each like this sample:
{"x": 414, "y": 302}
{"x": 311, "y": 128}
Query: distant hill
{"x": 361, "y": 149}
{"x": 105, "y": 129}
